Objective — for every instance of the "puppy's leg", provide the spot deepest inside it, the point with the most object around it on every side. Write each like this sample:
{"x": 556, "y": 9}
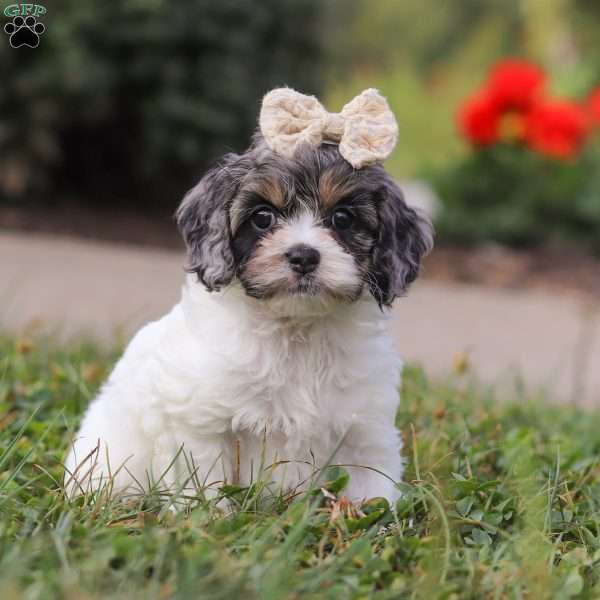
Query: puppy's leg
{"x": 373, "y": 450}
{"x": 110, "y": 451}
{"x": 194, "y": 464}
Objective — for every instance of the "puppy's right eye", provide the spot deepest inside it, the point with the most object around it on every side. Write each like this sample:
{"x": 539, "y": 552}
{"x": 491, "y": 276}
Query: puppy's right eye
{"x": 342, "y": 219}
{"x": 263, "y": 219}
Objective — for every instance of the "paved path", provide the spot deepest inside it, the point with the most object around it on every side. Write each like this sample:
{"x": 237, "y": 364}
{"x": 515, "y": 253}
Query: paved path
{"x": 72, "y": 287}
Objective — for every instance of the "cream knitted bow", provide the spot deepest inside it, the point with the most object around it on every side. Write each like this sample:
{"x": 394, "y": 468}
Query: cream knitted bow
{"x": 366, "y": 129}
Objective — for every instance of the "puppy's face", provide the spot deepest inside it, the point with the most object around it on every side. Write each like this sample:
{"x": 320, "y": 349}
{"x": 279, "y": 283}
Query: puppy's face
{"x": 309, "y": 229}
{"x": 303, "y": 229}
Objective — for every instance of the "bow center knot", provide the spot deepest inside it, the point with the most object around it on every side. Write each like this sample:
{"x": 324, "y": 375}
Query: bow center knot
{"x": 333, "y": 127}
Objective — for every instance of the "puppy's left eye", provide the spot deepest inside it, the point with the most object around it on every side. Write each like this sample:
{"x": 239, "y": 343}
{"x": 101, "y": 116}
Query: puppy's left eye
{"x": 263, "y": 219}
{"x": 342, "y": 219}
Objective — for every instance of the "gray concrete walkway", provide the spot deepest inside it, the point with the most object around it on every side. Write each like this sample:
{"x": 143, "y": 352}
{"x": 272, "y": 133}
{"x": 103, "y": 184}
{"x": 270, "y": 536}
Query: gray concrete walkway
{"x": 70, "y": 287}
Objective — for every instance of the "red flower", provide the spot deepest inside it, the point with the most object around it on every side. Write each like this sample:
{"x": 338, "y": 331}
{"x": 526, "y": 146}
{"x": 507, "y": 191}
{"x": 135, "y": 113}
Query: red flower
{"x": 557, "y": 128}
{"x": 515, "y": 84}
{"x": 478, "y": 119}
{"x": 594, "y": 106}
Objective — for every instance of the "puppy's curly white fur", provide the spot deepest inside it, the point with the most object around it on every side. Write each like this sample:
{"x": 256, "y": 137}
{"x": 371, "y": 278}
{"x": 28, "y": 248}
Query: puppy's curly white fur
{"x": 278, "y": 352}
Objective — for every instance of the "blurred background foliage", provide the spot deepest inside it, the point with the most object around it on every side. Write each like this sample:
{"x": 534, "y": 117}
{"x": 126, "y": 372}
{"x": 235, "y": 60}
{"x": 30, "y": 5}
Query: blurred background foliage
{"x": 127, "y": 103}
{"x": 426, "y": 56}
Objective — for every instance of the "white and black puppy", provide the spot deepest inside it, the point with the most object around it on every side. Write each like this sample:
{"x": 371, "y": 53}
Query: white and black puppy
{"x": 277, "y": 358}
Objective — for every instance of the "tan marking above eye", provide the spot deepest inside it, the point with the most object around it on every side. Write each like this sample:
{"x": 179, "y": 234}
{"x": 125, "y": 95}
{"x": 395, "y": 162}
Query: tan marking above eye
{"x": 270, "y": 190}
{"x": 332, "y": 188}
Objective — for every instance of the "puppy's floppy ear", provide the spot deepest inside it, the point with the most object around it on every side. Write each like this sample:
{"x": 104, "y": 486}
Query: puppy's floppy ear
{"x": 405, "y": 237}
{"x": 203, "y": 220}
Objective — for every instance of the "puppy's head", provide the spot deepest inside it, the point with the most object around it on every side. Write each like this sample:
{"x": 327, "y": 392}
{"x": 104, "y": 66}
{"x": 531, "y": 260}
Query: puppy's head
{"x": 304, "y": 229}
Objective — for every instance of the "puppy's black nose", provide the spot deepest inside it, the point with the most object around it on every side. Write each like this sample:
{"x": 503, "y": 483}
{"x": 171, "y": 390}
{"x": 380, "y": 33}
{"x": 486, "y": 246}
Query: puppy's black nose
{"x": 303, "y": 259}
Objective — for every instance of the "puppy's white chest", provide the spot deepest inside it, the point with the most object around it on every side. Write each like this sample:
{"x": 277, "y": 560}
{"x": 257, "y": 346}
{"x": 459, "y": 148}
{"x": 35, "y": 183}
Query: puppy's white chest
{"x": 236, "y": 375}
{"x": 289, "y": 390}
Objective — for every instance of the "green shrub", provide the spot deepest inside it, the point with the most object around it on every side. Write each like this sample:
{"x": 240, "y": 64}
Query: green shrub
{"x": 131, "y": 100}
{"x": 513, "y": 196}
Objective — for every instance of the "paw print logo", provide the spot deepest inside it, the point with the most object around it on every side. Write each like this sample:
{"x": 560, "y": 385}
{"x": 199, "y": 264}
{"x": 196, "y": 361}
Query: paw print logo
{"x": 24, "y": 32}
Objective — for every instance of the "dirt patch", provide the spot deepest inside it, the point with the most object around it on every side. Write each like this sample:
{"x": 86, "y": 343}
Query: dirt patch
{"x": 558, "y": 270}
{"x": 106, "y": 224}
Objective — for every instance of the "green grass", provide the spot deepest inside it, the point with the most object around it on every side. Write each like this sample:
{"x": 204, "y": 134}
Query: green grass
{"x": 500, "y": 501}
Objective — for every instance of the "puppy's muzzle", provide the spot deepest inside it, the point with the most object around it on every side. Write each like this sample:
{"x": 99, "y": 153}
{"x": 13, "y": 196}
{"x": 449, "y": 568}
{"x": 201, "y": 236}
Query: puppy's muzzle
{"x": 303, "y": 259}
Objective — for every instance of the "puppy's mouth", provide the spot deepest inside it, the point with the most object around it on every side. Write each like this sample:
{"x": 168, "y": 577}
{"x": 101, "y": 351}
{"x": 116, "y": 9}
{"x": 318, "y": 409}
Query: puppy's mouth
{"x": 291, "y": 285}
{"x": 304, "y": 285}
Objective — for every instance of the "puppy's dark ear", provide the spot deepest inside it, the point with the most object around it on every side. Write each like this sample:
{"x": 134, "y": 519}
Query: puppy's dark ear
{"x": 203, "y": 220}
{"x": 405, "y": 237}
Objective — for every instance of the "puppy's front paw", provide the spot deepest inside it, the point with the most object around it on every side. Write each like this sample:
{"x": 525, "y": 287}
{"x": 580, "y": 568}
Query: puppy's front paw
{"x": 366, "y": 485}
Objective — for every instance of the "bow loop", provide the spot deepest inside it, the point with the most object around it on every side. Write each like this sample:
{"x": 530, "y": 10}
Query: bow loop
{"x": 366, "y": 129}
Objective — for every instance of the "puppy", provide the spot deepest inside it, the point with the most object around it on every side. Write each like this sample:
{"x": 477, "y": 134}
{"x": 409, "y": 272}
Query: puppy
{"x": 276, "y": 361}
